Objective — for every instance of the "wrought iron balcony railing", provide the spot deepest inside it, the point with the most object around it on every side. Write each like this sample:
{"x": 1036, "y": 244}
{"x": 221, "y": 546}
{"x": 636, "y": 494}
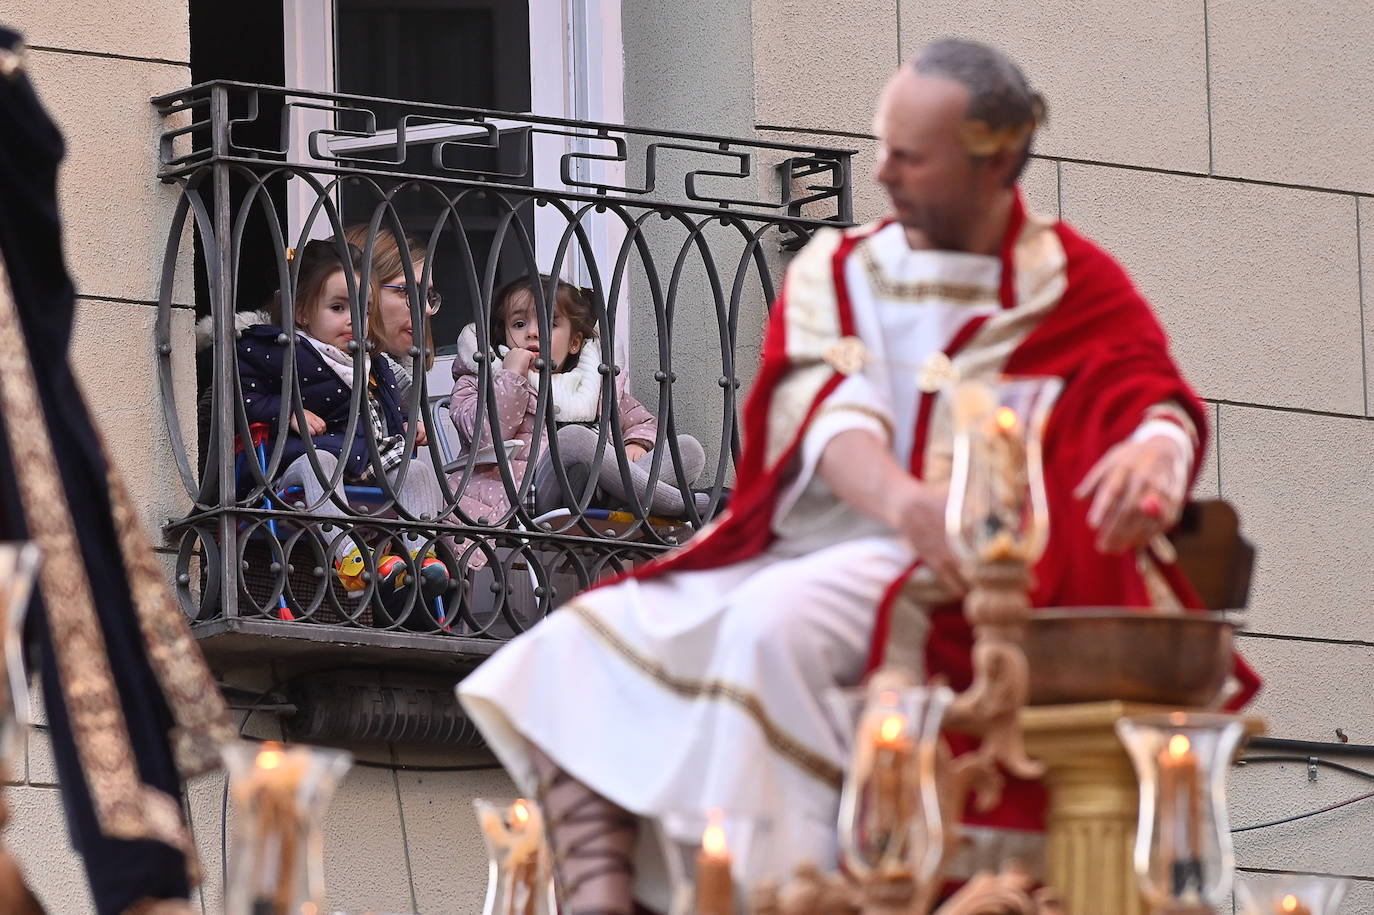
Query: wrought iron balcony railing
{"x": 674, "y": 238}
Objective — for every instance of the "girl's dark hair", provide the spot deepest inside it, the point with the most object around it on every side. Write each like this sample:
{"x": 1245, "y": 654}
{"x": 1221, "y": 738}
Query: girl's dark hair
{"x": 573, "y": 303}
{"x": 315, "y": 262}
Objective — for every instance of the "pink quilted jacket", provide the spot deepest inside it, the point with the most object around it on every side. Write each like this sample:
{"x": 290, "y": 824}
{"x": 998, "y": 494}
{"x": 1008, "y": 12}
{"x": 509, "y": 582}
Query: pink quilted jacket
{"x": 576, "y": 393}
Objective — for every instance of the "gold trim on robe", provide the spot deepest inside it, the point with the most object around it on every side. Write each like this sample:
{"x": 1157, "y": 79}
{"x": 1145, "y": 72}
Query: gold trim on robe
{"x": 124, "y": 806}
{"x": 885, "y": 287}
{"x": 783, "y": 743}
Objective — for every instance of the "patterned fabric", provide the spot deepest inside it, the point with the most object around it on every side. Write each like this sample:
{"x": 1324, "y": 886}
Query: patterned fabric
{"x": 484, "y": 495}
{"x": 391, "y": 448}
{"x": 124, "y": 806}
{"x": 262, "y": 365}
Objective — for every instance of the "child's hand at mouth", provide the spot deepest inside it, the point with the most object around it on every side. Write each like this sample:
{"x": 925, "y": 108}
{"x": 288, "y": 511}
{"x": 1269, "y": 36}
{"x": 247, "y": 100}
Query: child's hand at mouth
{"x": 519, "y": 360}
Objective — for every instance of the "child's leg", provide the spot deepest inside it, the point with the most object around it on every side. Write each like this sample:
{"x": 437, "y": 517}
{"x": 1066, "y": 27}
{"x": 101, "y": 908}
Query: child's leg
{"x": 666, "y": 498}
{"x": 576, "y": 446}
{"x": 300, "y": 473}
{"x": 420, "y": 493}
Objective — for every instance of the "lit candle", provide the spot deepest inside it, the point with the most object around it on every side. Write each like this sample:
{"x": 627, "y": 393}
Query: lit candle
{"x": 1290, "y": 905}
{"x": 527, "y": 833}
{"x": 715, "y": 889}
{"x": 892, "y": 795}
{"x": 516, "y": 838}
{"x": 1007, "y": 457}
{"x": 1180, "y": 791}
{"x": 271, "y": 795}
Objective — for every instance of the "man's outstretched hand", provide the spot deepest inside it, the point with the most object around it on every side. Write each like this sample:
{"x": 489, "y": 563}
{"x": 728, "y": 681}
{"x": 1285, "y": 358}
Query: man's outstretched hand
{"x": 1137, "y": 490}
{"x": 919, "y": 516}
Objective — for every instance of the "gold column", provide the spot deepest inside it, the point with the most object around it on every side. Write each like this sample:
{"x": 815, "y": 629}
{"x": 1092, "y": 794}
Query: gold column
{"x": 1090, "y": 823}
{"x": 1093, "y": 801}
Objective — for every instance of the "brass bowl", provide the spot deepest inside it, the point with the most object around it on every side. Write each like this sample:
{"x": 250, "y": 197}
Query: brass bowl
{"x": 1096, "y": 654}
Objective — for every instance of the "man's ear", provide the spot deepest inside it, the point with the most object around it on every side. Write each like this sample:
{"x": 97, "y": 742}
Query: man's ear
{"x": 1005, "y": 161}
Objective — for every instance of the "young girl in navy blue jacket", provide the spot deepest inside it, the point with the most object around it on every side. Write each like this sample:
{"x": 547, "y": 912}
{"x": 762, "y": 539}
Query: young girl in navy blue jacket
{"x": 325, "y": 372}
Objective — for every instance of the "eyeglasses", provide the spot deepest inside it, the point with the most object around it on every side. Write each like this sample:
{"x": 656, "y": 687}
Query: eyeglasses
{"x": 432, "y": 298}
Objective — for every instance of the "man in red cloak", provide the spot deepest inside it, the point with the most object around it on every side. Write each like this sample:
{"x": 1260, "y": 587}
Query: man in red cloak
{"x": 698, "y": 682}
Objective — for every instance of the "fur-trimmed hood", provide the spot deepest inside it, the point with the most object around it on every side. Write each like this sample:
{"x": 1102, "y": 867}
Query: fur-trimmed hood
{"x": 205, "y": 326}
{"x": 576, "y": 392}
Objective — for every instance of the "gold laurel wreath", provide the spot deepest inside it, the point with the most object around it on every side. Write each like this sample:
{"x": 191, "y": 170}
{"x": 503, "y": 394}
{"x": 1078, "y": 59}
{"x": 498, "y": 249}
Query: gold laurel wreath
{"x": 980, "y": 139}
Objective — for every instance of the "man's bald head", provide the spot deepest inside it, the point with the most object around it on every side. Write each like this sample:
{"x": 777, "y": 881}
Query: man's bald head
{"x": 998, "y": 93}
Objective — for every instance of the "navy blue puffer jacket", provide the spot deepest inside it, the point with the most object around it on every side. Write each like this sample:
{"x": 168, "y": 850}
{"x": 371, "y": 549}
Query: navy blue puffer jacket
{"x": 261, "y": 358}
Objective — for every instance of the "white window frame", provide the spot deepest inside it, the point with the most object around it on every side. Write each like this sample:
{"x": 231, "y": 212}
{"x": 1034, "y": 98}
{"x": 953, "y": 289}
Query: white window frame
{"x": 585, "y": 80}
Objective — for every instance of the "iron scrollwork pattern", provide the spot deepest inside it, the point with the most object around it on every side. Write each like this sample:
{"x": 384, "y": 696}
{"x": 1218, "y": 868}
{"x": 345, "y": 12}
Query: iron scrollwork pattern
{"x": 675, "y": 236}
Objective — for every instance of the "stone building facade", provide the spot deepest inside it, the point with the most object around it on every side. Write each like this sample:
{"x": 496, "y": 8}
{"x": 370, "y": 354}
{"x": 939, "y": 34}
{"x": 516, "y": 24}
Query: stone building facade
{"x": 1220, "y": 149}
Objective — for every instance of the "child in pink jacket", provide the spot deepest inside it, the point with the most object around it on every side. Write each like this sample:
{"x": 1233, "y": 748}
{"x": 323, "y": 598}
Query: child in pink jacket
{"x": 575, "y": 389}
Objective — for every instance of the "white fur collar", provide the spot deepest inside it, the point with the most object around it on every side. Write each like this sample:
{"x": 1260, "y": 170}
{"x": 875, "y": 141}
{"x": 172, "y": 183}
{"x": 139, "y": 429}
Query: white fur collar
{"x": 576, "y": 392}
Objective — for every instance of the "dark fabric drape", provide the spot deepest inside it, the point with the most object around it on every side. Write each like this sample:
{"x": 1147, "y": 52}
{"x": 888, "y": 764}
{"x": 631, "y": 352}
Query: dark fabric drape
{"x": 31, "y": 148}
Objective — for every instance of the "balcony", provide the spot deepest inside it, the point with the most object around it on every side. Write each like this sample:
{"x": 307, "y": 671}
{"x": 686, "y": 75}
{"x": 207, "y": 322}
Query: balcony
{"x": 676, "y": 238}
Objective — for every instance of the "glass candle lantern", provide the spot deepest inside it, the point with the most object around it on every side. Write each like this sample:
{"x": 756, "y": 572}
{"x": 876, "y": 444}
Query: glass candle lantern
{"x": 890, "y": 825}
{"x": 280, "y": 795}
{"x": 997, "y": 509}
{"x": 1183, "y": 855}
{"x": 519, "y": 865}
{"x": 1289, "y": 894}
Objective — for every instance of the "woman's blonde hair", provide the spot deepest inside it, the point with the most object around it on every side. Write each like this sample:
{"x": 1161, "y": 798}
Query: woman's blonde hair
{"x": 386, "y": 263}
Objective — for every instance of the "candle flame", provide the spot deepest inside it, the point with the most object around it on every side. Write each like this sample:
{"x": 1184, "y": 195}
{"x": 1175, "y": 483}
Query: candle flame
{"x": 270, "y": 756}
{"x": 891, "y": 728}
{"x": 520, "y": 811}
{"x": 1179, "y": 746}
{"x": 1006, "y": 418}
{"x": 713, "y": 839}
{"x": 1290, "y": 903}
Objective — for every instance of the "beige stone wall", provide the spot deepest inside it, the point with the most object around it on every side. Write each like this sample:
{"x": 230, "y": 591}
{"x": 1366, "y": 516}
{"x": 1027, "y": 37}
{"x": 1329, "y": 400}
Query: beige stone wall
{"x": 400, "y": 836}
{"x": 1221, "y": 150}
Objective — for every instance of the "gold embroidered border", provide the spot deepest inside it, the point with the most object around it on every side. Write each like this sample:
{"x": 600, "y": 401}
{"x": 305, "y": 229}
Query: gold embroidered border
{"x": 811, "y": 327}
{"x": 1040, "y": 265}
{"x": 124, "y": 806}
{"x": 885, "y": 287}
{"x": 882, "y": 418}
{"x": 198, "y": 709}
{"x": 783, "y": 743}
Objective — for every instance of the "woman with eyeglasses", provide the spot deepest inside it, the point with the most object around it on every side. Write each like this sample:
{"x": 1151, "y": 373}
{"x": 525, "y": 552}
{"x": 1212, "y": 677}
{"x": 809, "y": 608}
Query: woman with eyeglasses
{"x": 390, "y": 318}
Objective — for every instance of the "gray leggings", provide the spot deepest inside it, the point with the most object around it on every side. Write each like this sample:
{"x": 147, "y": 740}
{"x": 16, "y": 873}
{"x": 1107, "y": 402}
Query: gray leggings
{"x": 420, "y": 493}
{"x": 577, "y": 449}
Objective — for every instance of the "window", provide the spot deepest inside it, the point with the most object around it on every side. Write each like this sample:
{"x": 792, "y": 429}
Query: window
{"x": 551, "y": 57}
